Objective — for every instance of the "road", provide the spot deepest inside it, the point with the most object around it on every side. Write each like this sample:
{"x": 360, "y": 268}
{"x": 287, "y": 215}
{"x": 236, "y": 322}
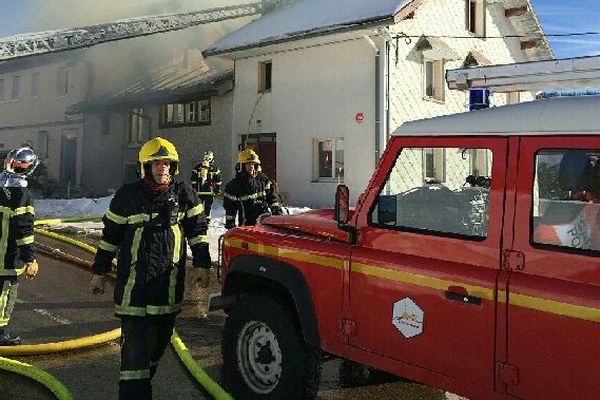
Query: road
{"x": 57, "y": 306}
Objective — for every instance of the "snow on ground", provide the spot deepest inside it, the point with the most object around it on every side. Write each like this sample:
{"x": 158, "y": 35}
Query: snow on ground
{"x": 86, "y": 207}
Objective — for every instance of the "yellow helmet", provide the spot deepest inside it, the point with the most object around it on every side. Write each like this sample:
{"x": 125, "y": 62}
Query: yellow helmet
{"x": 158, "y": 149}
{"x": 247, "y": 156}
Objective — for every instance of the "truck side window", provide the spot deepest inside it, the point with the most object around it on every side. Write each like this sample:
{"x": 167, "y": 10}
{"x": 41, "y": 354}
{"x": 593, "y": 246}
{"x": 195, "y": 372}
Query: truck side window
{"x": 566, "y": 199}
{"x": 437, "y": 190}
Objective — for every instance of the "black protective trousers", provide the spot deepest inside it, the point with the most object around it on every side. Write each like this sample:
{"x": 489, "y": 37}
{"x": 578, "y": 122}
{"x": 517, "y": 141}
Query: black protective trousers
{"x": 207, "y": 202}
{"x": 143, "y": 342}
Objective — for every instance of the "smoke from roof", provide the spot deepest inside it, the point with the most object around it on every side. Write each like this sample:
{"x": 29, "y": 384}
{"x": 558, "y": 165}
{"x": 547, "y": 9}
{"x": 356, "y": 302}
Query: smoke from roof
{"x": 117, "y": 63}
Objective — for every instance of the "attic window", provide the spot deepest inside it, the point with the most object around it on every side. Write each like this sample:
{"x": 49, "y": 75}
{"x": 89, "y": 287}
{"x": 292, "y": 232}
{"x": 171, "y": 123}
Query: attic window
{"x": 475, "y": 17}
{"x": 265, "y": 71}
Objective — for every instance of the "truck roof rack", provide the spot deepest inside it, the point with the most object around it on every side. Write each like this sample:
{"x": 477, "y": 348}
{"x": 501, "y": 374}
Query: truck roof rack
{"x": 529, "y": 76}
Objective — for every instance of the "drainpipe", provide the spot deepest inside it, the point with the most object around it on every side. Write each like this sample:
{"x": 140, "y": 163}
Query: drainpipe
{"x": 378, "y": 89}
{"x": 377, "y": 100}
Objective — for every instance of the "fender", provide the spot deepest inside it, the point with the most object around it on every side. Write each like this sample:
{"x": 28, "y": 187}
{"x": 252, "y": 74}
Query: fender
{"x": 279, "y": 275}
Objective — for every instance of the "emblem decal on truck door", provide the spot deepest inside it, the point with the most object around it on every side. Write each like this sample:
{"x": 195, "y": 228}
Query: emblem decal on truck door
{"x": 407, "y": 317}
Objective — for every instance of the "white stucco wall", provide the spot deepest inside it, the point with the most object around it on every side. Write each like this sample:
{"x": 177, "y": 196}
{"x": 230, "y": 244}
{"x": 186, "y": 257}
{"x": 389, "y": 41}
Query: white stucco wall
{"x": 316, "y": 93}
{"x": 318, "y": 88}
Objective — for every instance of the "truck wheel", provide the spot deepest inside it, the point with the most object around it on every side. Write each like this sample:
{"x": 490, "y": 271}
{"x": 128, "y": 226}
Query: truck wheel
{"x": 264, "y": 354}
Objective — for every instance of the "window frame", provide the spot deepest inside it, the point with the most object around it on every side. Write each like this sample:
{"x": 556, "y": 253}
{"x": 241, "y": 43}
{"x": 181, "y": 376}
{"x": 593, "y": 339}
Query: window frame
{"x": 335, "y": 176}
{"x": 34, "y": 90}
{"x": 265, "y": 76}
{"x": 138, "y": 127}
{"x": 15, "y": 90}
{"x": 174, "y": 115}
{"x": 438, "y": 92}
{"x": 475, "y": 17}
{"x": 497, "y": 153}
{"x": 62, "y": 82}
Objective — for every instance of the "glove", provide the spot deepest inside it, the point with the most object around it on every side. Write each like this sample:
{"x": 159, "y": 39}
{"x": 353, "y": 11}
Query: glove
{"x": 97, "y": 284}
{"x": 229, "y": 224}
{"x": 31, "y": 269}
{"x": 276, "y": 210}
{"x": 200, "y": 276}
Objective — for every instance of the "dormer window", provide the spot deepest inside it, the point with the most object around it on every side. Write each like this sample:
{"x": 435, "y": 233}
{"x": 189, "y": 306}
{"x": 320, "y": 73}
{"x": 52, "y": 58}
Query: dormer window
{"x": 475, "y": 17}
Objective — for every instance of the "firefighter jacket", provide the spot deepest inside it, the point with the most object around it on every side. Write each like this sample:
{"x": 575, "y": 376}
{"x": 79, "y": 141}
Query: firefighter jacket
{"x": 16, "y": 235}
{"x": 249, "y": 197}
{"x": 206, "y": 179}
{"x": 149, "y": 230}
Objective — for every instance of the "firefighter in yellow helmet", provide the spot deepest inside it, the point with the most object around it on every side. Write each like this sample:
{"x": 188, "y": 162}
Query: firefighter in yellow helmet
{"x": 250, "y": 194}
{"x": 148, "y": 221}
{"x": 206, "y": 180}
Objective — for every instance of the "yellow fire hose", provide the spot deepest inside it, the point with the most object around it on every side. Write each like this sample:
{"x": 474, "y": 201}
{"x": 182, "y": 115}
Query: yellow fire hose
{"x": 186, "y": 358}
{"x": 58, "y": 389}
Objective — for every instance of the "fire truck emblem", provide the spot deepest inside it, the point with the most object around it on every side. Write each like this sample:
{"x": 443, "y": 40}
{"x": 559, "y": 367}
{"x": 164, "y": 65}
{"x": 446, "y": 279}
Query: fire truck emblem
{"x": 407, "y": 317}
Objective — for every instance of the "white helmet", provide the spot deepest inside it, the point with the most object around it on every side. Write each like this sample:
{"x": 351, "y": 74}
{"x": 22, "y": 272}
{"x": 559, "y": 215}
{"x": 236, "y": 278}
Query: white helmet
{"x": 21, "y": 161}
{"x": 209, "y": 156}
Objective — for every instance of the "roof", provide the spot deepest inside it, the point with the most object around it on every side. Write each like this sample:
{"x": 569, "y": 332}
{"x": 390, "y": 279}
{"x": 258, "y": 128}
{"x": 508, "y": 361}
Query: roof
{"x": 558, "y": 115}
{"x": 305, "y": 18}
{"x": 172, "y": 83}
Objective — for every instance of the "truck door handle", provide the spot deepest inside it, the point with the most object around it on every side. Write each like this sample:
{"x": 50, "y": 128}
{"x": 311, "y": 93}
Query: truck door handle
{"x": 459, "y": 293}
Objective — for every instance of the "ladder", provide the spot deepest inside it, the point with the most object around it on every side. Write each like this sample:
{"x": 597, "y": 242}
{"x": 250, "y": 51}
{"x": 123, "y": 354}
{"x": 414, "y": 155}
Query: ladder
{"x": 565, "y": 73}
{"x": 31, "y": 44}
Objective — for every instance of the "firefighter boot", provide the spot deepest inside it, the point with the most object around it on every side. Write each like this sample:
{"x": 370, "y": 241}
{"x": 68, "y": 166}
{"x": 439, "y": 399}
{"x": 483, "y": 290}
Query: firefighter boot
{"x": 7, "y": 340}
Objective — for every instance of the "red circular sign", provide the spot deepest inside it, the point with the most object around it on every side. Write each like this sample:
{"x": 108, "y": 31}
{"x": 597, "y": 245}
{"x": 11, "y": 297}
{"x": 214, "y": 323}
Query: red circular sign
{"x": 359, "y": 117}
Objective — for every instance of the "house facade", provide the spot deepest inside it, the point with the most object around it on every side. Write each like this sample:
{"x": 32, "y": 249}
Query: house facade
{"x": 34, "y": 95}
{"x": 190, "y": 105}
{"x": 321, "y": 84}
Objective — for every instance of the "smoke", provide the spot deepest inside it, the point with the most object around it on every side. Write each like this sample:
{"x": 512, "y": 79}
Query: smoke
{"x": 115, "y": 64}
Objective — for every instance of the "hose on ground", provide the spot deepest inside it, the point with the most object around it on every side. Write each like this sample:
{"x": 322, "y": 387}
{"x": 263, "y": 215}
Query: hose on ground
{"x": 58, "y": 389}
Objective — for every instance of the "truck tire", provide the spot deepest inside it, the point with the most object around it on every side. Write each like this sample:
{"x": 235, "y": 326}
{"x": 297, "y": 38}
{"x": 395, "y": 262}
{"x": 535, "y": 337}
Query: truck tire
{"x": 264, "y": 354}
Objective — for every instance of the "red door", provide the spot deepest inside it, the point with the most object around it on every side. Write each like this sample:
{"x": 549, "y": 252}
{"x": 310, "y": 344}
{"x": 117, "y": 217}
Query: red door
{"x": 554, "y": 291}
{"x": 423, "y": 285}
{"x": 268, "y": 158}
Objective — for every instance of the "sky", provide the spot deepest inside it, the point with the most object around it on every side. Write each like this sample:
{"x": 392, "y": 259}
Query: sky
{"x": 557, "y": 17}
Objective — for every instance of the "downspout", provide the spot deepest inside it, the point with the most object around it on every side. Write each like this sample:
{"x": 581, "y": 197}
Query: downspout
{"x": 377, "y": 100}
{"x": 379, "y": 85}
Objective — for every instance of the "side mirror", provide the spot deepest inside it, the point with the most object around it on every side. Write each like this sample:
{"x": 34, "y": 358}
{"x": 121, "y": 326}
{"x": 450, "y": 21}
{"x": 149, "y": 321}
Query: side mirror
{"x": 342, "y": 205}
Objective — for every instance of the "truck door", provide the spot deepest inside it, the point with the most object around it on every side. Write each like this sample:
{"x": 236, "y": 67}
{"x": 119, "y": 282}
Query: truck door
{"x": 554, "y": 290}
{"x": 423, "y": 274}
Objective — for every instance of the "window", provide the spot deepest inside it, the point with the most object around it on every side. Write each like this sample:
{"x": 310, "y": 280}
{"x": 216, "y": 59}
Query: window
{"x": 433, "y": 79}
{"x": 2, "y": 90}
{"x": 475, "y": 17}
{"x": 329, "y": 160}
{"x": 138, "y": 127}
{"x": 197, "y": 112}
{"x": 43, "y": 147}
{"x": 105, "y": 124}
{"x": 62, "y": 88}
{"x": 565, "y": 197}
{"x": 457, "y": 205}
{"x": 35, "y": 84}
{"x": 265, "y": 72}
{"x": 16, "y": 87}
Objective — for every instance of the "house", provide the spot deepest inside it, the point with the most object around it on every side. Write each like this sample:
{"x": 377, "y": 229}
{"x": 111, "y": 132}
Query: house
{"x": 34, "y": 95}
{"x": 187, "y": 102}
{"x": 320, "y": 84}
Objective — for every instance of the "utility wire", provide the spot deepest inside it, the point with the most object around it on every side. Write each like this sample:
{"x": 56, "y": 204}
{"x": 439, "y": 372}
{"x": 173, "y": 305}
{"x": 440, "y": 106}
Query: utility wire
{"x": 546, "y": 35}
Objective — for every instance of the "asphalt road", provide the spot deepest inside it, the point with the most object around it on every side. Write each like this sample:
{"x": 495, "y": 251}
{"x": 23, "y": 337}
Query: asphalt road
{"x": 57, "y": 306}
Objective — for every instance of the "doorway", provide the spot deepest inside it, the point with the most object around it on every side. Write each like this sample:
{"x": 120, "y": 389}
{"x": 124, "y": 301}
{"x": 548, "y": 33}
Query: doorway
{"x": 265, "y": 145}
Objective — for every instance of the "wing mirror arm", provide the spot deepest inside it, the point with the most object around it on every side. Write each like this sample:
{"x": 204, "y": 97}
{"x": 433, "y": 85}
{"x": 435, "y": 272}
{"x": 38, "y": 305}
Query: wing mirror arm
{"x": 342, "y": 212}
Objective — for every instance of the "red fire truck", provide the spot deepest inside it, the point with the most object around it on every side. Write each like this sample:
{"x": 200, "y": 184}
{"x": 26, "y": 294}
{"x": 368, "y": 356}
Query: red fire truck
{"x": 471, "y": 263}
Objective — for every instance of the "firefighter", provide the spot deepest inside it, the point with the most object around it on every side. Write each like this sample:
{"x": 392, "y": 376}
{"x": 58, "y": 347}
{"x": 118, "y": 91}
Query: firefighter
{"x": 206, "y": 180}
{"x": 250, "y": 194}
{"x": 16, "y": 241}
{"x": 147, "y": 222}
